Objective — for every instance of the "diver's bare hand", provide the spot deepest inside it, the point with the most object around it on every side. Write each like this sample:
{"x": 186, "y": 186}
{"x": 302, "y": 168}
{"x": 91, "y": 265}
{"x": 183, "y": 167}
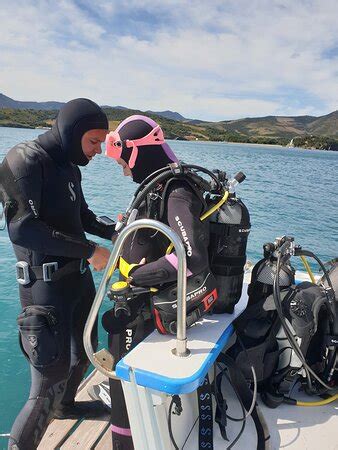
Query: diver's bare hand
{"x": 100, "y": 258}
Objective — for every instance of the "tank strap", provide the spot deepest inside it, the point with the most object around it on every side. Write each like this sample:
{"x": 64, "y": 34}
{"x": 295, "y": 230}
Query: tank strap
{"x": 229, "y": 260}
{"x": 233, "y": 230}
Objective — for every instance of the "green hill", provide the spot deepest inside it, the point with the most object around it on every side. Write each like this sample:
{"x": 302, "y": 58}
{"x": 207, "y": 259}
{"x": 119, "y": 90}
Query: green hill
{"x": 282, "y": 127}
{"x": 325, "y": 125}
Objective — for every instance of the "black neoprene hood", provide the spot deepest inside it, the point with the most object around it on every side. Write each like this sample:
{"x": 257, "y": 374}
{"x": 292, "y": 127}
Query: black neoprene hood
{"x": 75, "y": 118}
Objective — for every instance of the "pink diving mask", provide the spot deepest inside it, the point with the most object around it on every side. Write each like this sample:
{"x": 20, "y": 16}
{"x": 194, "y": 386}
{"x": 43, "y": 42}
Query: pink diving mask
{"x": 114, "y": 144}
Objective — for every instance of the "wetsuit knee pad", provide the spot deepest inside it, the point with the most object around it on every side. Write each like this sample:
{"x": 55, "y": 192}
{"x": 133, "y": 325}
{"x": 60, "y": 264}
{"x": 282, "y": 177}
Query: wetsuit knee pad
{"x": 39, "y": 335}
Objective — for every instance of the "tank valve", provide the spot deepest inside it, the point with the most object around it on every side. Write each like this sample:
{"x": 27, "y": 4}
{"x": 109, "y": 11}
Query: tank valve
{"x": 238, "y": 178}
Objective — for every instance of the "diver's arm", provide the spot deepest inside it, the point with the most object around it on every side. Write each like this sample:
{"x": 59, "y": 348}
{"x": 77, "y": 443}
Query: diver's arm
{"x": 28, "y": 230}
{"x": 37, "y": 236}
{"x": 184, "y": 210}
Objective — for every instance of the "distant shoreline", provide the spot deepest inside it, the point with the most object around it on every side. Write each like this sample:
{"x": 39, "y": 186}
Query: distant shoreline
{"x": 174, "y": 140}
{"x": 253, "y": 144}
{"x": 228, "y": 142}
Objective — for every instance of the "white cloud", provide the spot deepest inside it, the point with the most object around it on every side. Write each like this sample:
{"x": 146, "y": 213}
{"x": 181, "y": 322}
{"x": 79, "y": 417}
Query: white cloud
{"x": 212, "y": 60}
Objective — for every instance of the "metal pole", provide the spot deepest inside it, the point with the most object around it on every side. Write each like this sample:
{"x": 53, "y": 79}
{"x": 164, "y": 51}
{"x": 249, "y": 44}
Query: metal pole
{"x": 103, "y": 360}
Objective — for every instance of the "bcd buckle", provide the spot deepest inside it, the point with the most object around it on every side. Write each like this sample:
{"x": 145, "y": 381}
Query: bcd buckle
{"x": 22, "y": 272}
{"x": 48, "y": 269}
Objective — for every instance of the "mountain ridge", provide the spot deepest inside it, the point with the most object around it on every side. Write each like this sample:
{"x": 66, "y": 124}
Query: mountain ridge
{"x": 268, "y": 129}
{"x": 8, "y": 102}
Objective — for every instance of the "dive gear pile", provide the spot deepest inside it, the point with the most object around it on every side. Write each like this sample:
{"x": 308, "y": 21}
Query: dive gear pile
{"x": 289, "y": 331}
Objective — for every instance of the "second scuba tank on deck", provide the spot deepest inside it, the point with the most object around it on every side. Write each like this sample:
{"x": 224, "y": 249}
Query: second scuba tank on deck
{"x": 263, "y": 275}
{"x": 229, "y": 230}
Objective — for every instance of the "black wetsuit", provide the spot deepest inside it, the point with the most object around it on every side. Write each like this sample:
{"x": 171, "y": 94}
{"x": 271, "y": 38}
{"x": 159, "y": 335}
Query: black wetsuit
{"x": 183, "y": 209}
{"x": 48, "y": 225}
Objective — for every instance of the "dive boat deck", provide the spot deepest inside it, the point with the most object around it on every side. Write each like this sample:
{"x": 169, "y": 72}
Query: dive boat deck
{"x": 83, "y": 433}
{"x": 290, "y": 427}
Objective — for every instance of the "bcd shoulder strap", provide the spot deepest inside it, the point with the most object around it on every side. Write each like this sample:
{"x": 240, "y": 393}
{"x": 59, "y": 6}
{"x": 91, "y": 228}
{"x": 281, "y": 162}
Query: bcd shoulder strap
{"x": 183, "y": 179}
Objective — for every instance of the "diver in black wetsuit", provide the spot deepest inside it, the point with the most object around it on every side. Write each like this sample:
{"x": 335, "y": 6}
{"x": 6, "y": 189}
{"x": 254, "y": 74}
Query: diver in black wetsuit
{"x": 47, "y": 218}
{"x": 140, "y": 155}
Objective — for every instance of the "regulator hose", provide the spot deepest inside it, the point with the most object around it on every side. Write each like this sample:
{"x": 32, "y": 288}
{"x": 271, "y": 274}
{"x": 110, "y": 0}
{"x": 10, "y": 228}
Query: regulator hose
{"x": 292, "y": 340}
{"x": 163, "y": 173}
{"x": 301, "y": 252}
{"x": 308, "y": 269}
{"x": 326, "y": 401}
{"x": 332, "y": 354}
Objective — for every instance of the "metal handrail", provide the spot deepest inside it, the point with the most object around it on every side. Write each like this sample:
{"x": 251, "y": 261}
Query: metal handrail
{"x": 102, "y": 359}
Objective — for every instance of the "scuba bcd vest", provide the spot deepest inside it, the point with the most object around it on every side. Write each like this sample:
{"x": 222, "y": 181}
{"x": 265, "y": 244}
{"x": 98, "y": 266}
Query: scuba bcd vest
{"x": 288, "y": 330}
{"x": 229, "y": 228}
{"x": 256, "y": 327}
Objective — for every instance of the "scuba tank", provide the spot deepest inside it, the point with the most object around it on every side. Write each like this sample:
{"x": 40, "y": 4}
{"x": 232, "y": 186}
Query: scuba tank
{"x": 263, "y": 273}
{"x": 229, "y": 231}
{"x": 307, "y": 310}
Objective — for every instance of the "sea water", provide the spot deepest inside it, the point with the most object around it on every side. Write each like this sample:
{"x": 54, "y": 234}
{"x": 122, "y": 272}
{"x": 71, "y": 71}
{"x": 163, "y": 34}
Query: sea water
{"x": 288, "y": 191}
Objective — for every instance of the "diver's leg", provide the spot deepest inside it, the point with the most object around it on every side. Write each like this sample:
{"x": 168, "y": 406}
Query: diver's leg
{"x": 46, "y": 346}
{"x": 122, "y": 337}
{"x": 120, "y": 427}
{"x": 79, "y": 360}
{"x": 46, "y": 392}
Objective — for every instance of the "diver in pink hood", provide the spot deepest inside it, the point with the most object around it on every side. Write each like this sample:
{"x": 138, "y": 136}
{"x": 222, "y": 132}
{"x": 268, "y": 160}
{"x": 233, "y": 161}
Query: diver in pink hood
{"x": 138, "y": 145}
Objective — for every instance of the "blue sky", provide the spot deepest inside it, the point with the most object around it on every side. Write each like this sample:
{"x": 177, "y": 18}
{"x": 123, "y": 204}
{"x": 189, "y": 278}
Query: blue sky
{"x": 216, "y": 59}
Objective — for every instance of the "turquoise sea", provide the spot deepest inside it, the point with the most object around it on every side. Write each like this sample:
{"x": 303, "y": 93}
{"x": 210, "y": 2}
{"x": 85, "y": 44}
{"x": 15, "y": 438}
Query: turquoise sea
{"x": 288, "y": 191}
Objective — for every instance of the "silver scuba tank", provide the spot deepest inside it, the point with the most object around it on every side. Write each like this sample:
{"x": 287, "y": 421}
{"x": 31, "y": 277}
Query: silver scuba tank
{"x": 263, "y": 274}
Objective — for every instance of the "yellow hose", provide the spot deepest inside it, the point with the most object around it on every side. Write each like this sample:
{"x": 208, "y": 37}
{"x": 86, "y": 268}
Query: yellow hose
{"x": 319, "y": 403}
{"x": 169, "y": 249}
{"x": 215, "y": 207}
{"x": 205, "y": 215}
{"x": 308, "y": 269}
